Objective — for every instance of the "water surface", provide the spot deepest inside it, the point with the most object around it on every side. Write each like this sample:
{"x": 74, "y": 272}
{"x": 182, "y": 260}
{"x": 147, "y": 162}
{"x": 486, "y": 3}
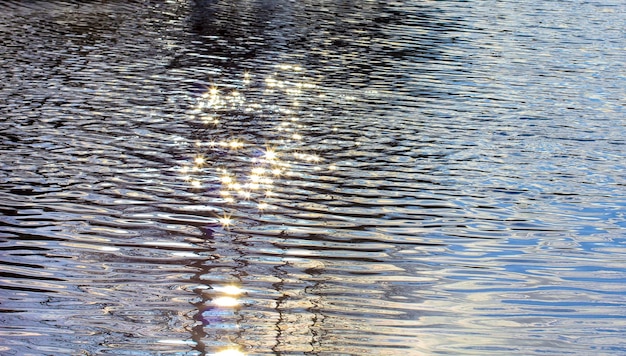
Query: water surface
{"x": 289, "y": 178}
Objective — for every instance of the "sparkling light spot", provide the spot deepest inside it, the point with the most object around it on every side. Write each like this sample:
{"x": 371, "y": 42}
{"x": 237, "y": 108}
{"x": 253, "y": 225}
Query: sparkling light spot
{"x": 245, "y": 194}
{"x": 226, "y": 302}
{"x": 235, "y": 144}
{"x": 314, "y": 158}
{"x": 270, "y": 155}
{"x": 226, "y": 221}
{"x": 270, "y": 82}
{"x": 255, "y": 178}
{"x": 258, "y": 171}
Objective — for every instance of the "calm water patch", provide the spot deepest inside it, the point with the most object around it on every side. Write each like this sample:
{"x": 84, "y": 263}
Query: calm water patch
{"x": 288, "y": 178}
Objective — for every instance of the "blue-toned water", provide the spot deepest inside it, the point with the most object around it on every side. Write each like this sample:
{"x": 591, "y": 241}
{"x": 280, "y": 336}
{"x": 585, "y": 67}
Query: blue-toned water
{"x": 312, "y": 178}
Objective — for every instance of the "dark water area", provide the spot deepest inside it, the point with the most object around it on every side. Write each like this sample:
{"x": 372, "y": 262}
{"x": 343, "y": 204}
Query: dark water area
{"x": 312, "y": 177}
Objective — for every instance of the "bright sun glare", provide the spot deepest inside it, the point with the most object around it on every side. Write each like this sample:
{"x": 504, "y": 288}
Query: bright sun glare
{"x": 274, "y": 106}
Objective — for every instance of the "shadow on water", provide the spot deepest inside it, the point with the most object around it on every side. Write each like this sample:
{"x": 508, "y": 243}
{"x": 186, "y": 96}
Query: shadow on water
{"x": 361, "y": 45}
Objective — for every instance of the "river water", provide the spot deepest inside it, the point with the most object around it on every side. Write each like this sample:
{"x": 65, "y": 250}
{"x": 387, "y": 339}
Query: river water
{"x": 280, "y": 177}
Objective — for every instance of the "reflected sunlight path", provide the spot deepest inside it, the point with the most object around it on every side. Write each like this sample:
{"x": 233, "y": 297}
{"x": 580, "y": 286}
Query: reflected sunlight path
{"x": 251, "y": 134}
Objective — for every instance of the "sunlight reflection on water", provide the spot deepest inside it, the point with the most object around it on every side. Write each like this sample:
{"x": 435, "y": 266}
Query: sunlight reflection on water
{"x": 289, "y": 177}
{"x": 277, "y": 151}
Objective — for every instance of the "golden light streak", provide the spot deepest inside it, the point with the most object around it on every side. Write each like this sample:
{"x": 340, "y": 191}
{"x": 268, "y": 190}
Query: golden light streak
{"x": 229, "y": 289}
{"x": 229, "y": 352}
{"x": 226, "y": 302}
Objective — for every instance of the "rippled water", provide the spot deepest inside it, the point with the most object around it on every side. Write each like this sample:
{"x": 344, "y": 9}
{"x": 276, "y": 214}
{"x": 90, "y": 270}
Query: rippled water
{"x": 320, "y": 178}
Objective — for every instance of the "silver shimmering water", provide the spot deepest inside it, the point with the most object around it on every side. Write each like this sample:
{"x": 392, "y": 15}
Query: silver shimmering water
{"x": 312, "y": 178}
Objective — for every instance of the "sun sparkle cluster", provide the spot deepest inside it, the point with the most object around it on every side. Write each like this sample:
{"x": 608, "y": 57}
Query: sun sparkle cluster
{"x": 255, "y": 137}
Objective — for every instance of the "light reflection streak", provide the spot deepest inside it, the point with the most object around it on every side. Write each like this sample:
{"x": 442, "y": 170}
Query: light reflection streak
{"x": 229, "y": 352}
{"x": 226, "y": 302}
{"x": 219, "y": 312}
{"x": 255, "y": 139}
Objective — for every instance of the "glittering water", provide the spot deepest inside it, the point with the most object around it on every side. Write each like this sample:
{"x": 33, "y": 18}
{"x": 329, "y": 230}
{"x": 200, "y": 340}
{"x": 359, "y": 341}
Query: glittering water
{"x": 322, "y": 178}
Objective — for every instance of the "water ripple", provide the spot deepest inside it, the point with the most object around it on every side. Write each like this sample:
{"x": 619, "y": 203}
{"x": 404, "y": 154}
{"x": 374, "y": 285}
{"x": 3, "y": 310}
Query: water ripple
{"x": 191, "y": 178}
